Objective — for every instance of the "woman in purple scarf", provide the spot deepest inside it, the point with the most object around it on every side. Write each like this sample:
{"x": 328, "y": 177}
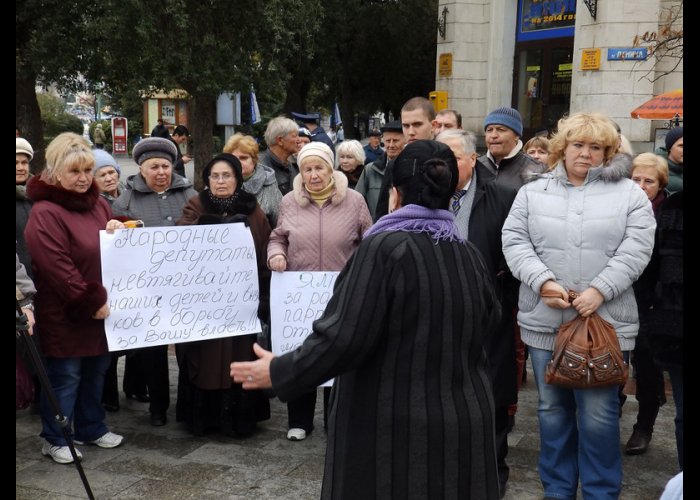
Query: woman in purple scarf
{"x": 411, "y": 408}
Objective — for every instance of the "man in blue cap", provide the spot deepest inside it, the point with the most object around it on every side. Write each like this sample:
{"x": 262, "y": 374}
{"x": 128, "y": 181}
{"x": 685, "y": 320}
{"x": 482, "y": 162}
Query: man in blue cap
{"x": 505, "y": 157}
{"x": 310, "y": 121}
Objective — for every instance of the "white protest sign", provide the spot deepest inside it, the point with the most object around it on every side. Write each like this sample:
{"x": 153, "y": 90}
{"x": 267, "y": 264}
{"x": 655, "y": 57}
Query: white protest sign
{"x": 167, "y": 285}
{"x": 297, "y": 299}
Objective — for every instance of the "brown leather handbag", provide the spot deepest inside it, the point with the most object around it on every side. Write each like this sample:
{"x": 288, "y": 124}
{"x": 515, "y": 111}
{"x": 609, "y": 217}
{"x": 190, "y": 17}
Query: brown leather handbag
{"x": 586, "y": 354}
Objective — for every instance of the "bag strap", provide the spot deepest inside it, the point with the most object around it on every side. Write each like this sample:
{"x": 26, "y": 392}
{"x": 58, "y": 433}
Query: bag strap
{"x": 552, "y": 294}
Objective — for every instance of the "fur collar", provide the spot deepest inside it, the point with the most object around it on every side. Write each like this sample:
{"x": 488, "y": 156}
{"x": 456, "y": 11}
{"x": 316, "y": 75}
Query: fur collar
{"x": 619, "y": 167}
{"x": 39, "y": 190}
{"x": 303, "y": 198}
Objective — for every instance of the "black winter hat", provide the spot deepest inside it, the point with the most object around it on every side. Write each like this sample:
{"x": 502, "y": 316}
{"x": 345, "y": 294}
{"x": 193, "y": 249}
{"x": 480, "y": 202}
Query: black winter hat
{"x": 673, "y": 135}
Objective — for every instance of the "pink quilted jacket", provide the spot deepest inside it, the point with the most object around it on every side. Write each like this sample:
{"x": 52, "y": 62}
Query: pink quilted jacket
{"x": 314, "y": 238}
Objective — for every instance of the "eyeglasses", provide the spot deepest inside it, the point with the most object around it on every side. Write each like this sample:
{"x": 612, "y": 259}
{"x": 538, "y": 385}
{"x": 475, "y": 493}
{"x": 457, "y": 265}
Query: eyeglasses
{"x": 222, "y": 177}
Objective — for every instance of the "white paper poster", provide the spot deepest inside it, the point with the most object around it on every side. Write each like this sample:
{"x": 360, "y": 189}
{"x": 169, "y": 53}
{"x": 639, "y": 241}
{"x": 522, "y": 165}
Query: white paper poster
{"x": 167, "y": 285}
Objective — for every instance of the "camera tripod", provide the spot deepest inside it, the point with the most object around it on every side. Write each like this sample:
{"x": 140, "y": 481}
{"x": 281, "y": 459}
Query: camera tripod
{"x": 22, "y": 332}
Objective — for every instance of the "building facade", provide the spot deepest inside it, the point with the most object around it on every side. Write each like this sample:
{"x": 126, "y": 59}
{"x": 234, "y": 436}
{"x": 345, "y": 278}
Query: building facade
{"x": 548, "y": 58}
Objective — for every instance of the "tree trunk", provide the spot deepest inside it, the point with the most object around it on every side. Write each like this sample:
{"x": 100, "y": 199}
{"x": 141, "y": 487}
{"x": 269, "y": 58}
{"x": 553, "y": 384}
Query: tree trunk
{"x": 28, "y": 116}
{"x": 202, "y": 114}
{"x": 297, "y": 89}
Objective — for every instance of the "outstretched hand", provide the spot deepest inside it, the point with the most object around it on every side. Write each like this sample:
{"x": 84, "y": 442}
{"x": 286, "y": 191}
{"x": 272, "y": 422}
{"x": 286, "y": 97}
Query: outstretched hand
{"x": 254, "y": 374}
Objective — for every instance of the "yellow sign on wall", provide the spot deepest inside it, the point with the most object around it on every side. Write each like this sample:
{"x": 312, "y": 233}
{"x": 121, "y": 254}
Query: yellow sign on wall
{"x": 590, "y": 59}
{"x": 439, "y": 99}
{"x": 445, "y": 65}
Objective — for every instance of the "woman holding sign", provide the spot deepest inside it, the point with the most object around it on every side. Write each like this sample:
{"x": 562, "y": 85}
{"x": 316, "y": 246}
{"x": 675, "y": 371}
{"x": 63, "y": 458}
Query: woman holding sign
{"x": 206, "y": 395}
{"x": 156, "y": 197}
{"x": 320, "y": 224}
{"x": 62, "y": 236}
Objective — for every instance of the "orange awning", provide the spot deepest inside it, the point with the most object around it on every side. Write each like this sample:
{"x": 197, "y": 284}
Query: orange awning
{"x": 661, "y": 107}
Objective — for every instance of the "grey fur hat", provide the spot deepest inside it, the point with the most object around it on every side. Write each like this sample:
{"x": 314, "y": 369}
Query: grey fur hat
{"x": 155, "y": 147}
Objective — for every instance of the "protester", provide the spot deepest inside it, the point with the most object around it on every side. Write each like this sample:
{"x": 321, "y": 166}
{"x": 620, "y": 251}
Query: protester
{"x": 650, "y": 172}
{"x": 505, "y": 156}
{"x": 258, "y": 179}
{"x": 481, "y": 207}
{"x": 281, "y": 136}
{"x": 412, "y": 414}
{"x": 370, "y": 182}
{"x": 351, "y": 160}
{"x": 156, "y": 197}
{"x": 584, "y": 226}
{"x": 207, "y": 398}
{"x": 673, "y": 152}
{"x": 661, "y": 292}
{"x": 23, "y": 205}
{"x": 106, "y": 174}
{"x": 537, "y": 148}
{"x": 447, "y": 119}
{"x": 62, "y": 235}
{"x": 417, "y": 115}
{"x": 373, "y": 148}
{"x": 319, "y": 227}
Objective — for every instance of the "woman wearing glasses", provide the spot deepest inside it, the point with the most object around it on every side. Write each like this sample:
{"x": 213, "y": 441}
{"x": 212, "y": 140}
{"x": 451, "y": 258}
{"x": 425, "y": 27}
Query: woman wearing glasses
{"x": 207, "y": 397}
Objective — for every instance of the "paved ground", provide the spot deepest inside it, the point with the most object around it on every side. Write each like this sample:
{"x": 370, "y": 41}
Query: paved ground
{"x": 168, "y": 463}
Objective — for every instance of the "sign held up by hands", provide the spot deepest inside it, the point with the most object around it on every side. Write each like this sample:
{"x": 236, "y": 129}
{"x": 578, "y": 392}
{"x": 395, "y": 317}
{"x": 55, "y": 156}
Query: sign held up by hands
{"x": 297, "y": 299}
{"x": 176, "y": 284}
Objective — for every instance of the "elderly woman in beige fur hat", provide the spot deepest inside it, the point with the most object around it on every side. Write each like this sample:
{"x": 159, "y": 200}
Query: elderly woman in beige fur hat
{"x": 319, "y": 226}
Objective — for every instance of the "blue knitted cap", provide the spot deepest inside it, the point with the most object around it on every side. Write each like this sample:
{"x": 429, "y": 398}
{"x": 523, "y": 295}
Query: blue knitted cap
{"x": 104, "y": 159}
{"x": 507, "y": 117}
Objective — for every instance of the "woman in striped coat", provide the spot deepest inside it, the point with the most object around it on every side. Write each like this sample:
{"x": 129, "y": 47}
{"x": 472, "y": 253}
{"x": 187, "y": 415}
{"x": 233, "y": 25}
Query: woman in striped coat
{"x": 411, "y": 407}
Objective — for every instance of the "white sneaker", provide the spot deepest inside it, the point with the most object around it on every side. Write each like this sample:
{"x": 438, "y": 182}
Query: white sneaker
{"x": 296, "y": 434}
{"x": 60, "y": 454}
{"x": 107, "y": 440}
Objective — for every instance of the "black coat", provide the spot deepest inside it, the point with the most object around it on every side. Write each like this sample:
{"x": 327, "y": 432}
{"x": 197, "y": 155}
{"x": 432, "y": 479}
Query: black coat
{"x": 490, "y": 208}
{"x": 660, "y": 288}
{"x": 412, "y": 408}
{"x": 23, "y": 206}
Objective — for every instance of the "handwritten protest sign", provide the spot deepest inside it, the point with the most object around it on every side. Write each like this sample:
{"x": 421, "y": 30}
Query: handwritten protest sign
{"x": 297, "y": 299}
{"x": 179, "y": 284}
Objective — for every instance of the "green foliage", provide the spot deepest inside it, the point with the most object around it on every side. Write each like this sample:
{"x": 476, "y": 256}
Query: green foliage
{"x": 55, "y": 119}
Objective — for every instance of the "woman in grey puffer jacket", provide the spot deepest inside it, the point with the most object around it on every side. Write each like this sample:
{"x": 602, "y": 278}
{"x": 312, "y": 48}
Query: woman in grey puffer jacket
{"x": 258, "y": 179}
{"x": 582, "y": 226}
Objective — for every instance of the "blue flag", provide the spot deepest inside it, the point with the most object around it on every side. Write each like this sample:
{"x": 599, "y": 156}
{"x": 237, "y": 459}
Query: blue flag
{"x": 254, "y": 110}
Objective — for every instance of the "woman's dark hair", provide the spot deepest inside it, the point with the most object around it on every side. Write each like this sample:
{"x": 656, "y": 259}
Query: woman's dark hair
{"x": 426, "y": 174}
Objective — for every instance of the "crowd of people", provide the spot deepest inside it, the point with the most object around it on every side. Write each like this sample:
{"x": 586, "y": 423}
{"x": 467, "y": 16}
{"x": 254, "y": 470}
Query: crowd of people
{"x": 454, "y": 268}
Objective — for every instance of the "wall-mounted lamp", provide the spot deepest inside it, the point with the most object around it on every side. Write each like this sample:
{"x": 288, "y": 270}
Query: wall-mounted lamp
{"x": 442, "y": 22}
{"x": 592, "y": 7}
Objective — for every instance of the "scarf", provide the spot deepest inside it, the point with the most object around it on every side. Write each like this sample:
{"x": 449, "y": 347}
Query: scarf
{"x": 321, "y": 196}
{"x": 438, "y": 223}
{"x": 223, "y": 206}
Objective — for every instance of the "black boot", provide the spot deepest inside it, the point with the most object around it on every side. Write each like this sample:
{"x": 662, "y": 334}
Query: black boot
{"x": 639, "y": 441}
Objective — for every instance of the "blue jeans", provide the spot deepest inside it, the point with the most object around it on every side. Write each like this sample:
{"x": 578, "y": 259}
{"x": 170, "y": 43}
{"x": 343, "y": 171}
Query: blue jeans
{"x": 676, "y": 374}
{"x": 579, "y": 437}
{"x": 77, "y": 384}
